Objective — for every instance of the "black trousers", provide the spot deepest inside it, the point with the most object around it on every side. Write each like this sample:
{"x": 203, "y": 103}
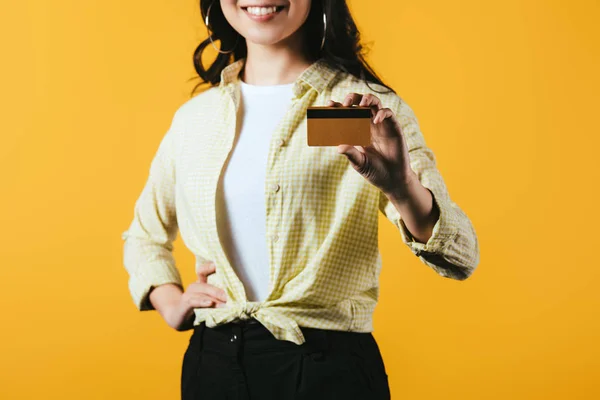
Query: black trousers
{"x": 244, "y": 361}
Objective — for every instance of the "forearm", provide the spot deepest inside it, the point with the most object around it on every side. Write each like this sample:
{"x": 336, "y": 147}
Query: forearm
{"x": 415, "y": 204}
{"x": 165, "y": 296}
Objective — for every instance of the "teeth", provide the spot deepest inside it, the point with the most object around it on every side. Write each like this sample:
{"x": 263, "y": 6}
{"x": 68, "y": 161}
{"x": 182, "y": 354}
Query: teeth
{"x": 261, "y": 10}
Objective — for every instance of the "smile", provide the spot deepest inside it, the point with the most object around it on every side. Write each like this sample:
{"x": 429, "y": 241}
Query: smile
{"x": 262, "y": 13}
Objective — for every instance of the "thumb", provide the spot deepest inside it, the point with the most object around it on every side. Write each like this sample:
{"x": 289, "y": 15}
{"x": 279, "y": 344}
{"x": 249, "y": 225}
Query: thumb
{"x": 353, "y": 154}
{"x": 205, "y": 269}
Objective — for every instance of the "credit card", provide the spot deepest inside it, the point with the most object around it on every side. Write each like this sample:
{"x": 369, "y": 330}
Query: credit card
{"x": 332, "y": 126}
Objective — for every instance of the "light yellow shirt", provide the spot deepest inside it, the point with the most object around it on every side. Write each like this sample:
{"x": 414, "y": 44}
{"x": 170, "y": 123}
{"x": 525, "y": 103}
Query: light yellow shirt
{"x": 321, "y": 214}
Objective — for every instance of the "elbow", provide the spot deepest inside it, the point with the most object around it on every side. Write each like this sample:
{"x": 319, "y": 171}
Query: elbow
{"x": 459, "y": 271}
{"x": 462, "y": 265}
{"x": 466, "y": 268}
{"x": 461, "y": 274}
{"x": 471, "y": 261}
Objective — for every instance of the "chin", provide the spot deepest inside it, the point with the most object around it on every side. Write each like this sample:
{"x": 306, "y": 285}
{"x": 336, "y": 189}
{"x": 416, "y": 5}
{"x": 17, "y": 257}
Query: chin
{"x": 264, "y": 38}
{"x": 262, "y": 41}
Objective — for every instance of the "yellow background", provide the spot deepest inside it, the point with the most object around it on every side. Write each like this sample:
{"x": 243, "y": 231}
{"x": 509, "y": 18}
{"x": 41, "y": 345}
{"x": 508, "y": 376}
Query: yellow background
{"x": 507, "y": 97}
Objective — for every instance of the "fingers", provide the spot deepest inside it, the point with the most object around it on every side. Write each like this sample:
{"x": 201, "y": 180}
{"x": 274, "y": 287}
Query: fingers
{"x": 357, "y": 99}
{"x": 382, "y": 114}
{"x": 201, "y": 300}
{"x": 367, "y": 100}
{"x": 201, "y": 286}
{"x": 206, "y": 291}
{"x": 352, "y": 99}
{"x": 214, "y": 292}
{"x": 370, "y": 100}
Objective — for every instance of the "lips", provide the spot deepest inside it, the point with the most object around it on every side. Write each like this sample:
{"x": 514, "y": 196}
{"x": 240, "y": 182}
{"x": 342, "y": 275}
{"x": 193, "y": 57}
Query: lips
{"x": 266, "y": 5}
{"x": 262, "y": 12}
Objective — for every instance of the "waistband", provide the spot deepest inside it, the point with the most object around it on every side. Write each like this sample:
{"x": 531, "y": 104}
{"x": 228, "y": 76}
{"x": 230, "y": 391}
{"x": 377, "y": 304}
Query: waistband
{"x": 243, "y": 322}
{"x": 254, "y": 337}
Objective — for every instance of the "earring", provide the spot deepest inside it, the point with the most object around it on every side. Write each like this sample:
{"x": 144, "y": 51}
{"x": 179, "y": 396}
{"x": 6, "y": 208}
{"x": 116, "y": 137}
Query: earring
{"x": 324, "y": 29}
{"x": 210, "y": 35}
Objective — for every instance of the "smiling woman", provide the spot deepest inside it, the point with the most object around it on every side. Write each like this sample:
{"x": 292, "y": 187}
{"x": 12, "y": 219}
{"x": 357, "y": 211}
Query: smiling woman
{"x": 285, "y": 235}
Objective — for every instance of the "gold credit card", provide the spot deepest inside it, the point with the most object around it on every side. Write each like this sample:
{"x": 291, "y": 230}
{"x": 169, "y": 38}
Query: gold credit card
{"x": 332, "y": 126}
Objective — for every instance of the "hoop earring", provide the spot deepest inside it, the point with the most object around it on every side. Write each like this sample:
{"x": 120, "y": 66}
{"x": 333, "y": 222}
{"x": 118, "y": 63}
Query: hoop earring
{"x": 210, "y": 35}
{"x": 324, "y": 29}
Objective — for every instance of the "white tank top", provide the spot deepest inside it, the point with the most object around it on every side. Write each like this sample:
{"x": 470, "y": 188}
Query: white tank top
{"x": 241, "y": 215}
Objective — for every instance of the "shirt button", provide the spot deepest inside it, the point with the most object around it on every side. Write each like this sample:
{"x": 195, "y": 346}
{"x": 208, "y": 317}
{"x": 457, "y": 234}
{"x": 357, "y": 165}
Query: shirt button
{"x": 280, "y": 142}
{"x": 275, "y": 187}
{"x": 275, "y": 237}
{"x": 233, "y": 338}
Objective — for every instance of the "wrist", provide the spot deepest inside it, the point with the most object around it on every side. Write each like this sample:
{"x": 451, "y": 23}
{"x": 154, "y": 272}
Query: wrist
{"x": 402, "y": 192}
{"x": 165, "y": 297}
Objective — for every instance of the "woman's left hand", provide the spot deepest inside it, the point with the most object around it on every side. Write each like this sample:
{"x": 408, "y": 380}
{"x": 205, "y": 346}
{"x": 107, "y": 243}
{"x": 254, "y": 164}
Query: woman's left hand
{"x": 385, "y": 163}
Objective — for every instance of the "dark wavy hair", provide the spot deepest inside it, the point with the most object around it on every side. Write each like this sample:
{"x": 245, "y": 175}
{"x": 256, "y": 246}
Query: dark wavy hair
{"x": 342, "y": 49}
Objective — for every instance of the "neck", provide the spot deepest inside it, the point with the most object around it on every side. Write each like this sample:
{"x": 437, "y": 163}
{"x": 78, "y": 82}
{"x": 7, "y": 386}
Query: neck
{"x": 277, "y": 64}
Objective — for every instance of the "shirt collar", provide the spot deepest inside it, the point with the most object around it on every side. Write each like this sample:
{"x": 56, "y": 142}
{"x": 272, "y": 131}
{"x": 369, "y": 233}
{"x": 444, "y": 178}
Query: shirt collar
{"x": 316, "y": 76}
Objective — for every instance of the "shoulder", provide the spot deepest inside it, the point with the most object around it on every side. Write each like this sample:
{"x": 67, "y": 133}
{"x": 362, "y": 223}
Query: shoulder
{"x": 190, "y": 115}
{"x": 197, "y": 106}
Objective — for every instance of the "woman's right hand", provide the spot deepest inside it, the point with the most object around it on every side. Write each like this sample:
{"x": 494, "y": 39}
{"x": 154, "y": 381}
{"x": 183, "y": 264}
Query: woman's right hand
{"x": 179, "y": 315}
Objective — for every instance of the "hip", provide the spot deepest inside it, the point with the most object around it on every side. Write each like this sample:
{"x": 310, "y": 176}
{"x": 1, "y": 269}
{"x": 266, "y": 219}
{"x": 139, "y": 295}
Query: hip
{"x": 329, "y": 363}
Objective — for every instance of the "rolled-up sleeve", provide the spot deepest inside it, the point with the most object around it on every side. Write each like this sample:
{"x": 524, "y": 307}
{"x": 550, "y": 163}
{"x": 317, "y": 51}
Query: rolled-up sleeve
{"x": 452, "y": 250}
{"x": 148, "y": 247}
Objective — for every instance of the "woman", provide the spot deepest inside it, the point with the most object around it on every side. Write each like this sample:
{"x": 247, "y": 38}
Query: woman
{"x": 285, "y": 235}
